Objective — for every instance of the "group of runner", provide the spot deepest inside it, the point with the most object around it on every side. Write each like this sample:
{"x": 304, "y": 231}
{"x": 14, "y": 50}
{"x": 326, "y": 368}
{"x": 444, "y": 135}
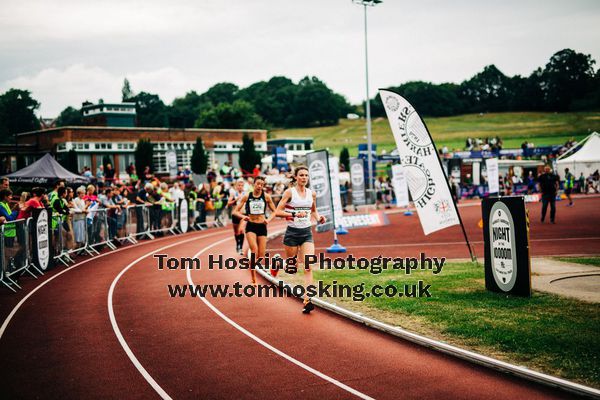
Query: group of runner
{"x": 297, "y": 206}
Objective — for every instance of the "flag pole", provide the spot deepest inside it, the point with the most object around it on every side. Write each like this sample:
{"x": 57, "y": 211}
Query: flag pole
{"x": 335, "y": 247}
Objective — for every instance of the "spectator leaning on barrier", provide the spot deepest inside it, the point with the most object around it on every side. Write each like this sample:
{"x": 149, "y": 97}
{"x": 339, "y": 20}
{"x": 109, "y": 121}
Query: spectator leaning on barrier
{"x": 36, "y": 201}
{"x": 78, "y": 211}
{"x": 8, "y": 215}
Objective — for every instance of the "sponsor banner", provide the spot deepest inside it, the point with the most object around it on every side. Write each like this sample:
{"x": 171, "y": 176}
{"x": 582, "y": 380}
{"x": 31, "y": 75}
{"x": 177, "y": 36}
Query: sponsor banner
{"x": 400, "y": 186}
{"x": 426, "y": 180}
{"x": 171, "y": 157}
{"x": 491, "y": 166}
{"x": 334, "y": 178}
{"x": 506, "y": 243}
{"x": 357, "y": 176}
{"x": 318, "y": 172}
{"x": 42, "y": 239}
{"x": 377, "y": 218}
{"x": 183, "y": 215}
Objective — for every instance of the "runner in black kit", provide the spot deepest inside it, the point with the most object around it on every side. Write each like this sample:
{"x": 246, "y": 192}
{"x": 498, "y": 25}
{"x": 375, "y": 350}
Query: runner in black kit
{"x": 255, "y": 203}
{"x": 297, "y": 205}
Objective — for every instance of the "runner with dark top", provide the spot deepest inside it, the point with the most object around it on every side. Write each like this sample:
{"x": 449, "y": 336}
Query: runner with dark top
{"x": 255, "y": 204}
{"x": 548, "y": 183}
{"x": 297, "y": 205}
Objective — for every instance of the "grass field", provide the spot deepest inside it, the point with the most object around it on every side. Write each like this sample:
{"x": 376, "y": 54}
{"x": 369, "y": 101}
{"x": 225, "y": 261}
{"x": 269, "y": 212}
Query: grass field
{"x": 514, "y": 128}
{"x": 547, "y": 333}
{"x": 595, "y": 261}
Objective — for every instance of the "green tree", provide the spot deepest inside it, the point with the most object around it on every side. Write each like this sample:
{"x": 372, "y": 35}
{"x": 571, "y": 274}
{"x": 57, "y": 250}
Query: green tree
{"x": 315, "y": 105}
{"x": 489, "y": 90}
{"x": 143, "y": 156}
{"x": 126, "y": 92}
{"x": 185, "y": 110}
{"x": 69, "y": 117}
{"x": 150, "y": 110}
{"x": 199, "y": 161}
{"x": 249, "y": 157}
{"x": 273, "y": 100}
{"x": 238, "y": 115}
{"x": 223, "y": 92}
{"x": 567, "y": 76}
{"x": 17, "y": 114}
{"x": 345, "y": 158}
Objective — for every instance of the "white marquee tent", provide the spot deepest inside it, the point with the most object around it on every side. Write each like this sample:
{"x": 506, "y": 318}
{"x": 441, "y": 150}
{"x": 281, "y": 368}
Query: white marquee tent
{"x": 585, "y": 159}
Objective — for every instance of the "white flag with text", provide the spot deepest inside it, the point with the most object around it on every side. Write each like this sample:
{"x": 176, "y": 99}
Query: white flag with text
{"x": 427, "y": 182}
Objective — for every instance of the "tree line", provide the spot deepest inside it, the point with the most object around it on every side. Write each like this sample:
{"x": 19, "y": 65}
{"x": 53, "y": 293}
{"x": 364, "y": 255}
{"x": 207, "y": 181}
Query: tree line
{"x": 568, "y": 82}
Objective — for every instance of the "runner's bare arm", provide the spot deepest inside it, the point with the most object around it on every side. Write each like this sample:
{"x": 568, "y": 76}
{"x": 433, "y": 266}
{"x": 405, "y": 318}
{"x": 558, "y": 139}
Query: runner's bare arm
{"x": 237, "y": 211}
{"x": 279, "y": 212}
{"x": 271, "y": 206}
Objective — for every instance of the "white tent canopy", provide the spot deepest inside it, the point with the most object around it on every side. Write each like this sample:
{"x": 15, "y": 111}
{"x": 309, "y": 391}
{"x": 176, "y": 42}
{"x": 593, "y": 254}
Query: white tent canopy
{"x": 585, "y": 160}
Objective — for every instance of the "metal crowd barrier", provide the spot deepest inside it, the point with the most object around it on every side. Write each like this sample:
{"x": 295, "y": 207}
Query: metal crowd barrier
{"x": 15, "y": 253}
{"x": 86, "y": 233}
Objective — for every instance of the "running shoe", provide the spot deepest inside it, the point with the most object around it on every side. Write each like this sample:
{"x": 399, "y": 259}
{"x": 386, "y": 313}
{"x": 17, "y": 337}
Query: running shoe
{"x": 308, "y": 307}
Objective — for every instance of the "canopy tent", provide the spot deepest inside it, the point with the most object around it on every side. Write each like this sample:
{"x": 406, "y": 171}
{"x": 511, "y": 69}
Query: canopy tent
{"x": 45, "y": 171}
{"x": 586, "y": 159}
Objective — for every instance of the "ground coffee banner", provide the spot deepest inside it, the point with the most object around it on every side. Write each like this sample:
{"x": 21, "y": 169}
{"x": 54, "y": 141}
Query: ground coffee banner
{"x": 506, "y": 241}
{"x": 426, "y": 180}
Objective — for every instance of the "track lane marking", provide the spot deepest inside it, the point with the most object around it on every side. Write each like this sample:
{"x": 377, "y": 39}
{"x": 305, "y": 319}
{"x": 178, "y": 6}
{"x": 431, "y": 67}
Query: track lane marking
{"x": 113, "y": 321}
{"x": 16, "y": 308}
{"x": 267, "y": 345}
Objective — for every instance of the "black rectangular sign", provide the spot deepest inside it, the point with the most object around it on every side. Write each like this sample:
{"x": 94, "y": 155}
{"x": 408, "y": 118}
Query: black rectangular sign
{"x": 506, "y": 242}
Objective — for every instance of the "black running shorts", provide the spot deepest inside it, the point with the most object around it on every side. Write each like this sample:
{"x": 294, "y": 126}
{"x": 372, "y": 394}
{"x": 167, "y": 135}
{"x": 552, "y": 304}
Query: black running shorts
{"x": 297, "y": 236}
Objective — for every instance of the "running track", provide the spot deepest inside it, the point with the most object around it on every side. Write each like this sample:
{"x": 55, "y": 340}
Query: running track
{"x": 61, "y": 343}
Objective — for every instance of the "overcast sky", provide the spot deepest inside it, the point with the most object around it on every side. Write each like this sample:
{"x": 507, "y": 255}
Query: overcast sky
{"x": 68, "y": 51}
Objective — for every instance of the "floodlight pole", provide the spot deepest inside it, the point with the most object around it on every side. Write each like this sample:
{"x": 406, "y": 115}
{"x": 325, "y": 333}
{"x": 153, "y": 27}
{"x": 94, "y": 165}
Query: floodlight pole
{"x": 366, "y": 3}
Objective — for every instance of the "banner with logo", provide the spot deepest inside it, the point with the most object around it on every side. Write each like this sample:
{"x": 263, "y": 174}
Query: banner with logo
{"x": 42, "y": 239}
{"x": 506, "y": 245}
{"x": 357, "y": 176}
{"x": 491, "y": 165}
{"x": 171, "y": 157}
{"x": 400, "y": 186}
{"x": 183, "y": 215}
{"x": 334, "y": 177}
{"x": 426, "y": 180}
{"x": 318, "y": 172}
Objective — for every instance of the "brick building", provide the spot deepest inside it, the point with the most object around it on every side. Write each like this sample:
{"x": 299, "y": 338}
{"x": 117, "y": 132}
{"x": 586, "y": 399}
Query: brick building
{"x": 93, "y": 143}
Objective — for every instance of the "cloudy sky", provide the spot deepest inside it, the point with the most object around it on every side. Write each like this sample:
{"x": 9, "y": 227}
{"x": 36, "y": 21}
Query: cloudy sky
{"x": 68, "y": 51}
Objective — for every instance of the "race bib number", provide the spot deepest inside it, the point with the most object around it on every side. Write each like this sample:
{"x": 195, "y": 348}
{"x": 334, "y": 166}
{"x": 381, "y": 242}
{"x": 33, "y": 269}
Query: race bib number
{"x": 302, "y": 220}
{"x": 257, "y": 207}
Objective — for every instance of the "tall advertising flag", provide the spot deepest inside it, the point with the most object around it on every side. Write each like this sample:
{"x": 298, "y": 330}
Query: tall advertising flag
{"x": 334, "y": 177}
{"x": 318, "y": 172}
{"x": 491, "y": 166}
{"x": 426, "y": 179}
{"x": 399, "y": 184}
{"x": 357, "y": 175}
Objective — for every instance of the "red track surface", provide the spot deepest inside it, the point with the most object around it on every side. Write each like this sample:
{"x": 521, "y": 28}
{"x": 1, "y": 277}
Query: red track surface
{"x": 60, "y": 343}
{"x": 577, "y": 231}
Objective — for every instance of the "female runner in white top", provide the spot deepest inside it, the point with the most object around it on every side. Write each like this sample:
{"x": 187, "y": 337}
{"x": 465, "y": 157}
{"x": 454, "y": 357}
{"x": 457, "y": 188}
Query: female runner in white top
{"x": 298, "y": 205}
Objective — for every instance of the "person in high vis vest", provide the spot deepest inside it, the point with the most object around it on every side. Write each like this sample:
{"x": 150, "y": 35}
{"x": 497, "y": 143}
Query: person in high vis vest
{"x": 569, "y": 183}
{"x": 10, "y": 231}
{"x": 167, "y": 204}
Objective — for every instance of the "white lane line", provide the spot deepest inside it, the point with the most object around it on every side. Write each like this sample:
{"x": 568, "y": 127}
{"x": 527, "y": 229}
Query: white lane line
{"x": 267, "y": 345}
{"x": 113, "y": 321}
{"x": 24, "y": 299}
